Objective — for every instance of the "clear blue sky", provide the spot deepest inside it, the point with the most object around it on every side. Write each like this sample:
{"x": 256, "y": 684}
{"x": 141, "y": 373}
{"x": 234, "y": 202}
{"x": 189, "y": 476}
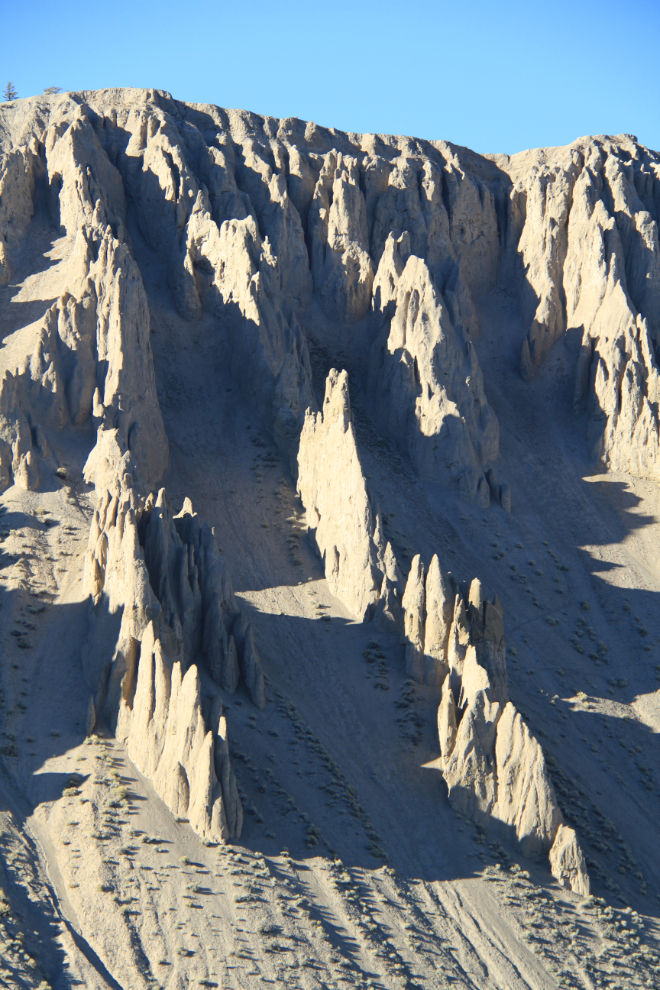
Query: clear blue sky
{"x": 495, "y": 75}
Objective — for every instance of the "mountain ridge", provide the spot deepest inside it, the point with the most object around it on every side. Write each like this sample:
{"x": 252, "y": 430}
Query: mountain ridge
{"x": 193, "y": 281}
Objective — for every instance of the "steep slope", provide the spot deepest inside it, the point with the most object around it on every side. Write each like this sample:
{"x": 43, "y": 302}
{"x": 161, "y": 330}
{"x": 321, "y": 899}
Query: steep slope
{"x": 226, "y": 760}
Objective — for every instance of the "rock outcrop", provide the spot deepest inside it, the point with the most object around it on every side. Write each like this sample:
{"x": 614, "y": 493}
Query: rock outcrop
{"x": 89, "y": 358}
{"x": 454, "y": 640}
{"x": 567, "y": 861}
{"x": 162, "y": 599}
{"x": 425, "y": 379}
{"x": 493, "y": 765}
{"x": 161, "y": 719}
{"x": 253, "y": 218}
{"x": 585, "y": 222}
{"x": 346, "y": 525}
{"x": 195, "y": 593}
{"x": 427, "y": 615}
{"x": 259, "y": 225}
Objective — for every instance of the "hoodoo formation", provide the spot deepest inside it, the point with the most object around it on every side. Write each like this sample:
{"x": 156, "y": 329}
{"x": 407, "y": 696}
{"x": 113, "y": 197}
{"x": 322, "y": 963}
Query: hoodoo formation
{"x": 329, "y": 471}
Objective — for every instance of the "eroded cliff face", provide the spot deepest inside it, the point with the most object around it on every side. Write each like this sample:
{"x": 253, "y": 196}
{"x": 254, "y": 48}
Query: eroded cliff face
{"x": 348, "y": 531}
{"x": 587, "y": 218}
{"x": 280, "y": 250}
{"x": 255, "y": 218}
{"x": 88, "y": 360}
{"x": 171, "y": 599}
{"x": 493, "y": 765}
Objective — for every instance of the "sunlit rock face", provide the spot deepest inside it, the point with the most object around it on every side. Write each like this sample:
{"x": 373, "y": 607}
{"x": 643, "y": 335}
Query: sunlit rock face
{"x": 381, "y": 368}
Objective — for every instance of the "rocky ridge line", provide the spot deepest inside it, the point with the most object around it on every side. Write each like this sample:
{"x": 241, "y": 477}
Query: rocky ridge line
{"x": 493, "y": 766}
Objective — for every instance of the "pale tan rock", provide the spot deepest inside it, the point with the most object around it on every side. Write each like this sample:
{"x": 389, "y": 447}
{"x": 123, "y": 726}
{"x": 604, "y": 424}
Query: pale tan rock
{"x": 414, "y": 615}
{"x": 192, "y": 586}
{"x": 388, "y": 609}
{"x": 341, "y": 265}
{"x": 469, "y": 768}
{"x": 333, "y": 490}
{"x": 393, "y": 260}
{"x": 27, "y": 473}
{"x": 567, "y": 863}
{"x": 439, "y": 614}
{"x": 232, "y": 806}
{"x": 168, "y": 740}
{"x": 458, "y": 642}
{"x": 16, "y": 203}
{"x": 98, "y": 329}
{"x": 137, "y": 664}
{"x": 425, "y": 380}
{"x": 475, "y": 594}
{"x": 494, "y": 767}
{"x": 526, "y": 799}
{"x": 590, "y": 249}
{"x": 486, "y": 625}
{"x": 571, "y": 231}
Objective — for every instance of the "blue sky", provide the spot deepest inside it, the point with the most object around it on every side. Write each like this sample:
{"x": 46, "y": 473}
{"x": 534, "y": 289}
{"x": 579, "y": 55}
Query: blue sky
{"x": 495, "y": 76}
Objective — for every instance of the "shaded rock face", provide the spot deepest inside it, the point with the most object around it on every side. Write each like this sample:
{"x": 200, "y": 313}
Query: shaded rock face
{"x": 89, "y": 358}
{"x": 196, "y": 596}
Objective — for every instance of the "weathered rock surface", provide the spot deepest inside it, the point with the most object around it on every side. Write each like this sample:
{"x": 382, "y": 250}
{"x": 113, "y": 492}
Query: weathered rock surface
{"x": 142, "y": 643}
{"x": 425, "y": 379}
{"x": 384, "y": 252}
{"x": 168, "y": 738}
{"x": 586, "y": 222}
{"x": 254, "y": 217}
{"x": 89, "y": 358}
{"x": 494, "y": 767}
{"x": 567, "y": 861}
{"x": 427, "y": 613}
{"x": 333, "y": 490}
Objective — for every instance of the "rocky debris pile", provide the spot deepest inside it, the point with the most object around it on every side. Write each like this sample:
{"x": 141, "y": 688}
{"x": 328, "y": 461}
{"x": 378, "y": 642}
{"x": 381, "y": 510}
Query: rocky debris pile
{"x": 454, "y": 640}
{"x": 162, "y": 600}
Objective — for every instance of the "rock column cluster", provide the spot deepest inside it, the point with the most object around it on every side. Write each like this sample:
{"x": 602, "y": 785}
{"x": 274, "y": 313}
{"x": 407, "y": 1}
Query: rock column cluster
{"x": 493, "y": 765}
{"x": 162, "y": 600}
